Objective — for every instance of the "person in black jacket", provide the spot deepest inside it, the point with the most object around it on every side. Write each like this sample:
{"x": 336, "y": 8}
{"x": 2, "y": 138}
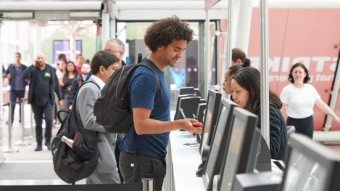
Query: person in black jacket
{"x": 14, "y": 73}
{"x": 245, "y": 86}
{"x": 43, "y": 82}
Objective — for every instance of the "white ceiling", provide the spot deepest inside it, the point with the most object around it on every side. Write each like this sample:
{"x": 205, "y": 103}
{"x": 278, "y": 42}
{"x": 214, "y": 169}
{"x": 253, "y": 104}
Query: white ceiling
{"x": 143, "y": 9}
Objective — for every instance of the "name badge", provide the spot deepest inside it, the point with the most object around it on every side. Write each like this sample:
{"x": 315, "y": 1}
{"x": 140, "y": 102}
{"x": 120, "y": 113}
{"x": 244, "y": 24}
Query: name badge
{"x": 47, "y": 74}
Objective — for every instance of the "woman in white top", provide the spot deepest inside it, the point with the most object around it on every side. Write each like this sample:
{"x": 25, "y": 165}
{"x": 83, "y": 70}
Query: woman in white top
{"x": 298, "y": 100}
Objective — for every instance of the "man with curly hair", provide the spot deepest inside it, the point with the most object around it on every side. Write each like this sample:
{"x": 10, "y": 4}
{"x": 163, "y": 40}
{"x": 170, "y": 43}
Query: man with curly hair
{"x": 144, "y": 147}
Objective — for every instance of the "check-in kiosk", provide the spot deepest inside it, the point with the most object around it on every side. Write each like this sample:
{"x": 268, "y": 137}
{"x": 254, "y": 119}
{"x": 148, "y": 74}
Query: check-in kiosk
{"x": 242, "y": 150}
{"x": 220, "y": 143}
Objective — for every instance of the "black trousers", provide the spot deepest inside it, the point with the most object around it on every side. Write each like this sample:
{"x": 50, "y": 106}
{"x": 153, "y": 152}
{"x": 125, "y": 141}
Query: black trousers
{"x": 41, "y": 111}
{"x": 14, "y": 96}
{"x": 117, "y": 155}
{"x": 303, "y": 126}
{"x": 135, "y": 167}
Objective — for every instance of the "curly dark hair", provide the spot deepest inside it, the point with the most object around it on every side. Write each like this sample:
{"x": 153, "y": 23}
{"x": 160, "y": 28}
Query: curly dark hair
{"x": 290, "y": 76}
{"x": 163, "y": 32}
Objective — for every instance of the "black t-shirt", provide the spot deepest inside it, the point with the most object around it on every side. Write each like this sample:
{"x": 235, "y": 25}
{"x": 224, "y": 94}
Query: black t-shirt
{"x": 41, "y": 91}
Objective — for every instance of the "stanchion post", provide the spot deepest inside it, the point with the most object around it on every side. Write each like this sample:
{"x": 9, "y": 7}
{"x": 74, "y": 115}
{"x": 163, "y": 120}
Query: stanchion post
{"x": 148, "y": 184}
{"x": 22, "y": 142}
{"x": 9, "y": 129}
{"x": 22, "y": 118}
{"x": 10, "y": 126}
{"x": 32, "y": 131}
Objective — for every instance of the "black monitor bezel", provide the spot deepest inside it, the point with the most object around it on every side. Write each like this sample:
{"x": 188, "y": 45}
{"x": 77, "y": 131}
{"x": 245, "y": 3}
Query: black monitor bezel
{"x": 318, "y": 153}
{"x": 177, "y": 112}
{"x": 244, "y": 165}
{"x": 206, "y": 140}
{"x": 186, "y": 90}
{"x": 190, "y": 111}
{"x": 214, "y": 161}
{"x": 201, "y": 110}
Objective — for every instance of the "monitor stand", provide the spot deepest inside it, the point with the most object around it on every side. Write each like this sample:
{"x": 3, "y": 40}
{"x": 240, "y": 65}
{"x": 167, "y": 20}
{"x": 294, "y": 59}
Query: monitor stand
{"x": 263, "y": 181}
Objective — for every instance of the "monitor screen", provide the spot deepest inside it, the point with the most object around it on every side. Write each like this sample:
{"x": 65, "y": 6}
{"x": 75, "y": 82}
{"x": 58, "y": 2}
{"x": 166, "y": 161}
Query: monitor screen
{"x": 220, "y": 143}
{"x": 241, "y": 147}
{"x": 201, "y": 111}
{"x": 188, "y": 107}
{"x": 210, "y": 118}
{"x": 200, "y": 116}
{"x": 310, "y": 166}
{"x": 178, "y": 113}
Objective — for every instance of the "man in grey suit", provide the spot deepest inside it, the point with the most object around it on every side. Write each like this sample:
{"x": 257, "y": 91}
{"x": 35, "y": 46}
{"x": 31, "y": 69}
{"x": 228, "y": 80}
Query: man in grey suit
{"x": 103, "y": 65}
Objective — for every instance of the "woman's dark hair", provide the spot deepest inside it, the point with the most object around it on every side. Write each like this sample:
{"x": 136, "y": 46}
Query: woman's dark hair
{"x": 62, "y": 57}
{"x": 246, "y": 62}
{"x": 163, "y": 32}
{"x": 102, "y": 58}
{"x": 290, "y": 76}
{"x": 65, "y": 77}
{"x": 235, "y": 68}
{"x": 249, "y": 79}
{"x": 238, "y": 53}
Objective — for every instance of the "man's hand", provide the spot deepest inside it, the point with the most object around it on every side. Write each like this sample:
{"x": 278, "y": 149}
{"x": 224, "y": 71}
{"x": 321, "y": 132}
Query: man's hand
{"x": 192, "y": 125}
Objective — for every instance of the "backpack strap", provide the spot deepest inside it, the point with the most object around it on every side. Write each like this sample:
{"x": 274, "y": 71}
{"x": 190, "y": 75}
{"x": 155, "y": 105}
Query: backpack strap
{"x": 75, "y": 98}
{"x": 81, "y": 129}
{"x": 147, "y": 63}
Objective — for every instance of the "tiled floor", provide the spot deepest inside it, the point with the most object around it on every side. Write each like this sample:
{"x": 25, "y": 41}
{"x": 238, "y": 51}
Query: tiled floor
{"x": 24, "y": 166}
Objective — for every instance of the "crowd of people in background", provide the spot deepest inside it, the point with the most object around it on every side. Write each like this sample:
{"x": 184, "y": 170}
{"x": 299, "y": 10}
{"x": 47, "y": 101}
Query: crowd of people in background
{"x": 51, "y": 86}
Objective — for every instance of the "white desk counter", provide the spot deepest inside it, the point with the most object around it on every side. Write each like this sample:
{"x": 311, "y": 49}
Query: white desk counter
{"x": 183, "y": 160}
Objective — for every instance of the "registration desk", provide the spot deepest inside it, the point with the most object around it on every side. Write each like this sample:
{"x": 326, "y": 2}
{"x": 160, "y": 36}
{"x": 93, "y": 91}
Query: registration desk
{"x": 183, "y": 159}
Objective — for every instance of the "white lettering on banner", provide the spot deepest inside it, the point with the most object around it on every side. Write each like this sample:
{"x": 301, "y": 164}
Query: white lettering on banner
{"x": 274, "y": 63}
{"x": 305, "y": 60}
{"x": 321, "y": 68}
{"x": 333, "y": 66}
{"x": 313, "y": 78}
{"x": 320, "y": 62}
{"x": 279, "y": 64}
{"x": 285, "y": 64}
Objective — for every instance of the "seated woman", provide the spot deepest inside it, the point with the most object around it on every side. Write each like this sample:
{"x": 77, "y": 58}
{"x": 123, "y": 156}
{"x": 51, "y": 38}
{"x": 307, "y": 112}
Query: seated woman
{"x": 229, "y": 75}
{"x": 245, "y": 86}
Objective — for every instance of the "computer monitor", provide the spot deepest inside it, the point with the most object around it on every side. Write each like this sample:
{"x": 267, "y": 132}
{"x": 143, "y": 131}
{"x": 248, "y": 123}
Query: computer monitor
{"x": 183, "y": 105}
{"x": 241, "y": 156}
{"x": 187, "y": 90}
{"x": 220, "y": 143}
{"x": 210, "y": 120}
{"x": 200, "y": 117}
{"x": 263, "y": 160}
{"x": 201, "y": 111}
{"x": 310, "y": 166}
{"x": 188, "y": 107}
{"x": 260, "y": 181}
